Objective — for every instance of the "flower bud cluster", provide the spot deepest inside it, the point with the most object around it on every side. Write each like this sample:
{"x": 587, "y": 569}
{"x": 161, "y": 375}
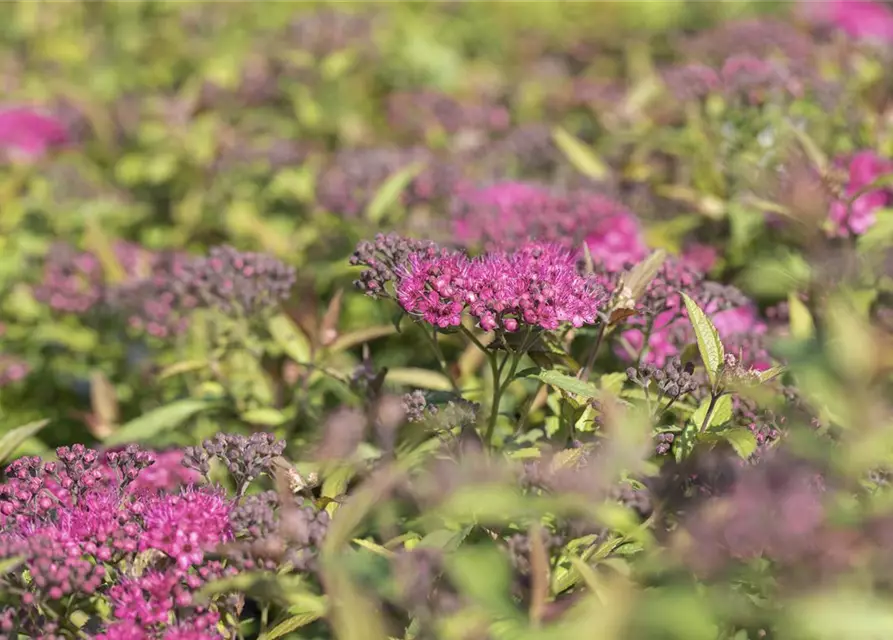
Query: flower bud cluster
{"x": 245, "y": 458}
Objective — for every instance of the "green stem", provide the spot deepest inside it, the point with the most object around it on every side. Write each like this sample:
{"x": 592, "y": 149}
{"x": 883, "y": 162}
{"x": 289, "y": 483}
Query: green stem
{"x": 593, "y": 353}
{"x": 441, "y": 360}
{"x": 713, "y": 398}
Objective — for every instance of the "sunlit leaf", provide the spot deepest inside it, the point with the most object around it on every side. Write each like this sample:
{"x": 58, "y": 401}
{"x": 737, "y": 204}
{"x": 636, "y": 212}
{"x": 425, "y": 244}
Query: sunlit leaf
{"x": 419, "y": 378}
{"x": 159, "y": 420}
{"x": 14, "y": 438}
{"x": 709, "y": 343}
{"x": 802, "y": 325}
{"x": 389, "y": 193}
{"x": 580, "y": 155}
{"x": 567, "y": 383}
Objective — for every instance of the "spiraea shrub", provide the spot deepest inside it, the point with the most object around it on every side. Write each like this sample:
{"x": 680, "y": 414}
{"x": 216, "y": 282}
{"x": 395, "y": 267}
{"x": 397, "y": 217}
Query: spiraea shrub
{"x": 446, "y": 321}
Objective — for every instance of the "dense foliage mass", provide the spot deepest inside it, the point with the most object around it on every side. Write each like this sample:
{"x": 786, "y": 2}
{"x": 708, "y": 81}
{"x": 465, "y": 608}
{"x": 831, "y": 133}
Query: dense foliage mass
{"x": 446, "y": 321}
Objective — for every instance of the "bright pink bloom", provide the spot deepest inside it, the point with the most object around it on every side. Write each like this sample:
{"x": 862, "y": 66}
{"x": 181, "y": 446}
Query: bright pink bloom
{"x": 167, "y": 473}
{"x": 860, "y": 19}
{"x": 28, "y": 133}
{"x": 700, "y": 256}
{"x": 864, "y": 168}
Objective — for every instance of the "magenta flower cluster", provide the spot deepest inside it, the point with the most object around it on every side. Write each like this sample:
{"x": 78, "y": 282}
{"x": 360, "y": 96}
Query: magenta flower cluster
{"x": 536, "y": 285}
{"x": 28, "y": 133}
{"x": 92, "y": 522}
{"x": 506, "y": 214}
{"x": 858, "y": 216}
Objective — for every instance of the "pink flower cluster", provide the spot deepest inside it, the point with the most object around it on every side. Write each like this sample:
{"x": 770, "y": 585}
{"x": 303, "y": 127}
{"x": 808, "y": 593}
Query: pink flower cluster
{"x": 863, "y": 168}
{"x": 73, "y": 519}
{"x": 29, "y": 134}
{"x": 859, "y": 19}
{"x": 506, "y": 214}
{"x": 537, "y": 285}
{"x": 671, "y": 332}
{"x": 741, "y": 74}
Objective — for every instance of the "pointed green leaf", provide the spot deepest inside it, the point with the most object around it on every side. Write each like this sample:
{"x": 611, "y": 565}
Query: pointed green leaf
{"x": 294, "y": 623}
{"x": 419, "y": 378}
{"x": 266, "y": 416}
{"x": 567, "y": 383}
{"x": 709, "y": 344}
{"x": 389, "y": 193}
{"x": 641, "y": 275}
{"x": 770, "y": 374}
{"x": 290, "y": 338}
{"x": 13, "y": 439}
{"x": 685, "y": 442}
{"x": 375, "y": 548}
{"x": 157, "y": 421}
{"x": 580, "y": 155}
{"x": 802, "y": 325}
{"x": 722, "y": 412}
{"x": 742, "y": 440}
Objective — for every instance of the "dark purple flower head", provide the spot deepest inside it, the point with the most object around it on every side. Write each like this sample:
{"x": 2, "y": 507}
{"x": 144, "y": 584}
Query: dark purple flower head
{"x": 863, "y": 168}
{"x": 72, "y": 280}
{"x": 383, "y": 257}
{"x": 691, "y": 81}
{"x": 419, "y": 113}
{"x": 245, "y": 458}
{"x": 762, "y": 38}
{"x": 230, "y": 280}
{"x": 507, "y": 214}
{"x": 27, "y": 133}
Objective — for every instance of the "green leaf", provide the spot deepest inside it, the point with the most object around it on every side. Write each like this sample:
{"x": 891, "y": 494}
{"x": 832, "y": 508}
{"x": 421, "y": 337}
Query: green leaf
{"x": 8, "y": 565}
{"x": 802, "y": 325}
{"x": 742, "y": 440}
{"x": 419, "y": 378}
{"x": 641, "y": 275}
{"x": 185, "y": 366}
{"x": 769, "y": 374}
{"x": 290, "y": 338}
{"x": 445, "y": 539}
{"x": 388, "y": 194}
{"x": 580, "y": 155}
{"x": 485, "y": 575}
{"x": 568, "y": 383}
{"x": 709, "y": 344}
{"x": 158, "y": 421}
{"x": 685, "y": 442}
{"x": 266, "y": 416}
{"x": 722, "y": 412}
{"x": 13, "y": 439}
{"x": 361, "y": 336}
{"x": 292, "y": 624}
{"x": 375, "y": 548}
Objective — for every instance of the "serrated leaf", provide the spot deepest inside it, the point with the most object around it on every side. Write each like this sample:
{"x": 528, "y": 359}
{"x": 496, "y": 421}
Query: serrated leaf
{"x": 389, "y": 193}
{"x": 722, "y": 412}
{"x": 580, "y": 155}
{"x": 14, "y": 438}
{"x": 294, "y": 623}
{"x": 158, "y": 421}
{"x": 567, "y": 383}
{"x": 419, "y": 378}
{"x": 802, "y": 325}
{"x": 709, "y": 345}
{"x": 742, "y": 440}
